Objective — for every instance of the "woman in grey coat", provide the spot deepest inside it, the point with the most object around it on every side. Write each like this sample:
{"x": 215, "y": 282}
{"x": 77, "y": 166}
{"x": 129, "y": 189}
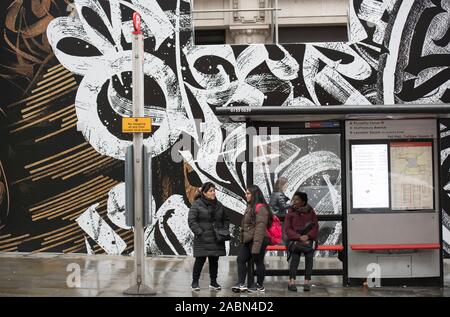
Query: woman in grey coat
{"x": 205, "y": 213}
{"x": 278, "y": 200}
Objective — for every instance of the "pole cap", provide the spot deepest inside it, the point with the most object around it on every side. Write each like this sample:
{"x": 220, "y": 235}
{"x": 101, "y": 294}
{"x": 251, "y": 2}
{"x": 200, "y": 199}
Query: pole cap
{"x": 137, "y": 23}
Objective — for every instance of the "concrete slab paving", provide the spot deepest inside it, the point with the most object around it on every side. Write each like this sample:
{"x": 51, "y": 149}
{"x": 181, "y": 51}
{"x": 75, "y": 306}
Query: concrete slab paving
{"x": 51, "y": 274}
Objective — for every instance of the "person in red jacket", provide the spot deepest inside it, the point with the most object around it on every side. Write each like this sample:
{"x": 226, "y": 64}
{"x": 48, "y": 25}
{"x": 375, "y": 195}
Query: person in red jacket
{"x": 301, "y": 226}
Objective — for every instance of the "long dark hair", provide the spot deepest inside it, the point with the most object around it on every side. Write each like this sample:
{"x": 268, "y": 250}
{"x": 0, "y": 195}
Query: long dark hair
{"x": 258, "y": 198}
{"x": 205, "y": 187}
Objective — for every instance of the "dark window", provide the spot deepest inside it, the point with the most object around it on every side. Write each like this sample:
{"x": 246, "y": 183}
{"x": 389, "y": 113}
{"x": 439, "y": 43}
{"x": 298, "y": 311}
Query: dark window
{"x": 306, "y": 34}
{"x": 209, "y": 37}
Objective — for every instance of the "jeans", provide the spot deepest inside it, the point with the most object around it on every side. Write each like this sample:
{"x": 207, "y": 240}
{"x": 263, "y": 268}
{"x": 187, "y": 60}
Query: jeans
{"x": 245, "y": 254}
{"x": 198, "y": 265}
{"x": 295, "y": 260}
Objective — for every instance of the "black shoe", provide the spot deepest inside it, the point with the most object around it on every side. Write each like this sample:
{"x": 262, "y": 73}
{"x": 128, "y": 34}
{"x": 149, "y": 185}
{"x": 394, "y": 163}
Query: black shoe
{"x": 195, "y": 286}
{"x": 306, "y": 288}
{"x": 239, "y": 288}
{"x": 214, "y": 286}
{"x": 257, "y": 288}
{"x": 292, "y": 287}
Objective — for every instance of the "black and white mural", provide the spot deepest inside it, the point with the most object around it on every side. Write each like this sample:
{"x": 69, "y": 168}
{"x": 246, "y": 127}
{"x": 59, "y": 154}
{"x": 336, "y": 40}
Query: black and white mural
{"x": 398, "y": 52}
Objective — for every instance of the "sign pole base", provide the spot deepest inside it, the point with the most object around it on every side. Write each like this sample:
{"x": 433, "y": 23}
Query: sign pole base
{"x": 140, "y": 290}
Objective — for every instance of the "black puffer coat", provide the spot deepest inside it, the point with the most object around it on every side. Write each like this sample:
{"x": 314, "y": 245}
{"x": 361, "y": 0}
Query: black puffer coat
{"x": 202, "y": 214}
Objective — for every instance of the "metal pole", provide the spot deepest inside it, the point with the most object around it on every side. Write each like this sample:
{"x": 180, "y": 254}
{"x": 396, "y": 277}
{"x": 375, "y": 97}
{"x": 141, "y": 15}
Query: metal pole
{"x": 276, "y": 21}
{"x": 272, "y": 22}
{"x": 192, "y": 22}
{"x": 234, "y": 10}
{"x": 138, "y": 111}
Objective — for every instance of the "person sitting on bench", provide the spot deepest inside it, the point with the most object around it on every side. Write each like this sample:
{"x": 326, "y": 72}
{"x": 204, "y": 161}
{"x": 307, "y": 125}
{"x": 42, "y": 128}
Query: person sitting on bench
{"x": 301, "y": 228}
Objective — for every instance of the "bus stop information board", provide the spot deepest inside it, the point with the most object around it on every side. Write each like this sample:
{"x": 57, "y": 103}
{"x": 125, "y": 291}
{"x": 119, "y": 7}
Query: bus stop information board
{"x": 370, "y": 176}
{"x": 411, "y": 175}
{"x": 392, "y": 164}
{"x": 136, "y": 125}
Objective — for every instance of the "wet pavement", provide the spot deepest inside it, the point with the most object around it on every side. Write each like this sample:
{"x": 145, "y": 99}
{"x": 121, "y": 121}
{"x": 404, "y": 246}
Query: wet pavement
{"x": 51, "y": 274}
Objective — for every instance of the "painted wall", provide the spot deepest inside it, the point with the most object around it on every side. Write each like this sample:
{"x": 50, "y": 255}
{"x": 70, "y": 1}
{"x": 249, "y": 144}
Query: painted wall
{"x": 67, "y": 83}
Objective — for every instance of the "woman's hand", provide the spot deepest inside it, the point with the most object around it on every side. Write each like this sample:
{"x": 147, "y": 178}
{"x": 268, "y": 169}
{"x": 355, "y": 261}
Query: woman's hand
{"x": 304, "y": 238}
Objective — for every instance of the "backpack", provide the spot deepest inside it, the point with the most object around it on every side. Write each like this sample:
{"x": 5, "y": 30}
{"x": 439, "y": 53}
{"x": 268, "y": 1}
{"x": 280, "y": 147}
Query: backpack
{"x": 275, "y": 231}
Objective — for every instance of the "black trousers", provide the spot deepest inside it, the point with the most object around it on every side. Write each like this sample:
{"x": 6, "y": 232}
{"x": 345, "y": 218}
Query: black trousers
{"x": 295, "y": 260}
{"x": 245, "y": 254}
{"x": 198, "y": 265}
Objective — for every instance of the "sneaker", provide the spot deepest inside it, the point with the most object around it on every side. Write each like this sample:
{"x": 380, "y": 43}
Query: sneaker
{"x": 292, "y": 287}
{"x": 195, "y": 286}
{"x": 306, "y": 287}
{"x": 257, "y": 288}
{"x": 214, "y": 286}
{"x": 239, "y": 288}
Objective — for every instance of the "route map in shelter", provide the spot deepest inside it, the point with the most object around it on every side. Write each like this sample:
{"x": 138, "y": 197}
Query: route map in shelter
{"x": 411, "y": 175}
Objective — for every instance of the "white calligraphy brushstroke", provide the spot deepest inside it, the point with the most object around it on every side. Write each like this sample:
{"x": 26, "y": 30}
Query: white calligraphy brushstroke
{"x": 394, "y": 45}
{"x": 153, "y": 16}
{"x": 187, "y": 123}
{"x": 123, "y": 106}
{"x": 389, "y": 5}
{"x": 107, "y": 239}
{"x": 299, "y": 102}
{"x": 233, "y": 149}
{"x": 371, "y": 60}
{"x": 357, "y": 33}
{"x": 447, "y": 187}
{"x": 219, "y": 89}
{"x": 287, "y": 68}
{"x": 442, "y": 127}
{"x": 310, "y": 165}
{"x": 97, "y": 70}
{"x": 61, "y": 28}
{"x": 335, "y": 195}
{"x": 446, "y": 230}
{"x": 444, "y": 154}
{"x": 358, "y": 69}
{"x": 210, "y": 143}
{"x": 336, "y": 85}
{"x": 97, "y": 133}
{"x": 177, "y": 223}
{"x": 372, "y": 11}
{"x": 334, "y": 237}
{"x": 114, "y": 26}
{"x": 195, "y": 53}
{"x": 250, "y": 58}
{"x": 116, "y": 206}
{"x": 88, "y": 247}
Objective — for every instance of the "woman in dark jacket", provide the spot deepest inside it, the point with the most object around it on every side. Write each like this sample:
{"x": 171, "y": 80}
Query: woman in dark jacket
{"x": 254, "y": 239}
{"x": 300, "y": 216}
{"x": 278, "y": 200}
{"x": 205, "y": 213}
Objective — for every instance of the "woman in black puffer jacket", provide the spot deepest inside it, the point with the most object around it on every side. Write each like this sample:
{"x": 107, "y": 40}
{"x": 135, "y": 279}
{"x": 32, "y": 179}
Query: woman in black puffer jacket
{"x": 206, "y": 212}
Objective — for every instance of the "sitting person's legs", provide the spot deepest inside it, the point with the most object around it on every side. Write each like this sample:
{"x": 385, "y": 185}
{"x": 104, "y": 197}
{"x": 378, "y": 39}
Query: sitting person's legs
{"x": 309, "y": 258}
{"x": 293, "y": 266}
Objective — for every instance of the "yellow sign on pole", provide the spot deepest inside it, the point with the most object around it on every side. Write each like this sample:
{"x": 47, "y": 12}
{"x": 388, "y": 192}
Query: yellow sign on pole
{"x": 136, "y": 125}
